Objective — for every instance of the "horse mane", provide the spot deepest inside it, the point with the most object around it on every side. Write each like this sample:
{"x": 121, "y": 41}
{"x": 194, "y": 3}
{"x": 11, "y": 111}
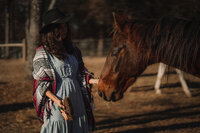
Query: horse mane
{"x": 176, "y": 40}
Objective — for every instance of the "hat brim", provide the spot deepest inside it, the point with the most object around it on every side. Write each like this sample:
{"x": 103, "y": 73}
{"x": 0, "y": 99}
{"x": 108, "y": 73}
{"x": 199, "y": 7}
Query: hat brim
{"x": 59, "y": 21}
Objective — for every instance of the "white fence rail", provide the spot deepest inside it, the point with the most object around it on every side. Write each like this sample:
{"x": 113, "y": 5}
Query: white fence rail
{"x": 89, "y": 47}
{"x": 8, "y": 45}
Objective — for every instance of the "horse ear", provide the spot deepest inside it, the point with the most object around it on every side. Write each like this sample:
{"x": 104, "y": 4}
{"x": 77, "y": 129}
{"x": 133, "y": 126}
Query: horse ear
{"x": 120, "y": 18}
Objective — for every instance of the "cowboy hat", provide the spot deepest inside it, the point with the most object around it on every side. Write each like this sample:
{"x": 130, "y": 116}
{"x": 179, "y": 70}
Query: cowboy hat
{"x": 52, "y": 17}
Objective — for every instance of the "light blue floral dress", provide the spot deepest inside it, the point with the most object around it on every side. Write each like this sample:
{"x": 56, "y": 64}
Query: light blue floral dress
{"x": 67, "y": 85}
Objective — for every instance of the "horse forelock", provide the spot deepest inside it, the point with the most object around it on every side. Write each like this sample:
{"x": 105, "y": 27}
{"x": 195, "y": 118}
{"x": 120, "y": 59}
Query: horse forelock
{"x": 173, "y": 39}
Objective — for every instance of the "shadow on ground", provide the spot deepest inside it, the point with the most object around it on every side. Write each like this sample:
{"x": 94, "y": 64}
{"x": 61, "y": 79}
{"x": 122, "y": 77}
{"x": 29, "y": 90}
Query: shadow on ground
{"x": 15, "y": 107}
{"x": 181, "y": 112}
{"x": 163, "y": 128}
{"x": 155, "y": 74}
{"x": 3, "y": 83}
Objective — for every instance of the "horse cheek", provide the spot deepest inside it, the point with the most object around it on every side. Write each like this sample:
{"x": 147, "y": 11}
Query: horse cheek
{"x": 129, "y": 82}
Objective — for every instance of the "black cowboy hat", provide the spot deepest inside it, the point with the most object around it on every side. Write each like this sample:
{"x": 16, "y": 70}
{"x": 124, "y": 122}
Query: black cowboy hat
{"x": 53, "y": 17}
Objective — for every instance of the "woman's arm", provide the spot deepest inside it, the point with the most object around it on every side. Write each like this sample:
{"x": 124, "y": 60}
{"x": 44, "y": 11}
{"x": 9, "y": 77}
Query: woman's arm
{"x": 57, "y": 101}
{"x": 54, "y": 98}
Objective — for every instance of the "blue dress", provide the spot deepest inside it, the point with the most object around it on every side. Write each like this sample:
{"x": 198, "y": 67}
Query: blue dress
{"x": 67, "y": 85}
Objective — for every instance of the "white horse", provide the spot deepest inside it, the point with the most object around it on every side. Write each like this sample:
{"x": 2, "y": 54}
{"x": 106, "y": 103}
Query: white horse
{"x": 161, "y": 71}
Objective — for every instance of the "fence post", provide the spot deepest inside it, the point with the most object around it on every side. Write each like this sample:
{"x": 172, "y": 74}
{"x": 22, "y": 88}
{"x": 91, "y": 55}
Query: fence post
{"x": 23, "y": 50}
{"x": 100, "y": 45}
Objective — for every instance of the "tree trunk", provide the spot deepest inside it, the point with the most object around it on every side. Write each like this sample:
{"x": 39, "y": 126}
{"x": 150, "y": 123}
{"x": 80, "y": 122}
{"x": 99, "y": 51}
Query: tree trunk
{"x": 11, "y": 16}
{"x": 100, "y": 44}
{"x": 32, "y": 33}
{"x": 7, "y": 18}
{"x": 52, "y": 4}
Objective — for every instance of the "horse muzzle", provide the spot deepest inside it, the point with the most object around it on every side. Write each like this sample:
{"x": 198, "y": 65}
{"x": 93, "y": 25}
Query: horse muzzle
{"x": 112, "y": 97}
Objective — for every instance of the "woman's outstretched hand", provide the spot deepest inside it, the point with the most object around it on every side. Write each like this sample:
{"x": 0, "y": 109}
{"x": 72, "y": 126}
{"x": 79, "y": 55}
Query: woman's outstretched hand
{"x": 93, "y": 81}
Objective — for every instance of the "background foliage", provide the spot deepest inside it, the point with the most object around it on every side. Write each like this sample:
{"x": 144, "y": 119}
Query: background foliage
{"x": 91, "y": 17}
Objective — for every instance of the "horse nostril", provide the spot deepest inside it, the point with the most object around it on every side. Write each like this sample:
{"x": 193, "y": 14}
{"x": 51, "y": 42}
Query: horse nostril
{"x": 100, "y": 93}
{"x": 113, "y": 96}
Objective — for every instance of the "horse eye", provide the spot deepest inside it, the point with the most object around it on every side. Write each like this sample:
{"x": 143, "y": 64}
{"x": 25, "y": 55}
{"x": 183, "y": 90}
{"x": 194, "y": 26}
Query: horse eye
{"x": 117, "y": 50}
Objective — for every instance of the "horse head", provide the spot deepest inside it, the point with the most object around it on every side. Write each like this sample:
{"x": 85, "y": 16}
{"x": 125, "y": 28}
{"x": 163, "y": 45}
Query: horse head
{"x": 139, "y": 43}
{"x": 124, "y": 63}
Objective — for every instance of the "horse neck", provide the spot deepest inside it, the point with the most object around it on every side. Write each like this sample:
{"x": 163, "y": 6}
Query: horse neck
{"x": 155, "y": 58}
{"x": 174, "y": 42}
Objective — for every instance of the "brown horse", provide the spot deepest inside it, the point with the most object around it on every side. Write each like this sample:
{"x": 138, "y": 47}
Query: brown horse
{"x": 139, "y": 43}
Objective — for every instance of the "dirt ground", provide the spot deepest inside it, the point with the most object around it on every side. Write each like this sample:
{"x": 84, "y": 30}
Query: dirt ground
{"x": 140, "y": 111}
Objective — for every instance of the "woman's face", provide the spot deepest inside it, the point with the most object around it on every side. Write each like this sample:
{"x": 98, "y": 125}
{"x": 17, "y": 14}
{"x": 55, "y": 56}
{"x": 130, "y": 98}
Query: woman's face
{"x": 63, "y": 30}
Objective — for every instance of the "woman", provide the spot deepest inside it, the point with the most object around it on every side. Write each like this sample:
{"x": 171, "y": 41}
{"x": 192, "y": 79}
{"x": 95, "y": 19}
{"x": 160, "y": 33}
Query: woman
{"x": 59, "y": 72}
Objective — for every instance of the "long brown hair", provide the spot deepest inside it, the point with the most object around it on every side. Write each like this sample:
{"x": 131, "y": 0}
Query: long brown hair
{"x": 55, "y": 46}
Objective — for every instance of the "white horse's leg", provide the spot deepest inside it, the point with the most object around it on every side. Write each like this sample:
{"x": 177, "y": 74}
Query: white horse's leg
{"x": 161, "y": 71}
{"x": 183, "y": 83}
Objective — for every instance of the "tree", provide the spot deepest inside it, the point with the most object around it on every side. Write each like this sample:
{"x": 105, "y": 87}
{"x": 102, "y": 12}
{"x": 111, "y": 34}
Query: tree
{"x": 52, "y": 4}
{"x": 8, "y": 32}
{"x": 32, "y": 32}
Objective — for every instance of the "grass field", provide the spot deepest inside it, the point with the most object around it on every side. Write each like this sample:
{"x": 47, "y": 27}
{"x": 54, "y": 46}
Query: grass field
{"x": 140, "y": 111}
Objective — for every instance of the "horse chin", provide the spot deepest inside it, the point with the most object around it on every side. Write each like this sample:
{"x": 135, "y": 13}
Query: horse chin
{"x": 112, "y": 97}
{"x": 117, "y": 96}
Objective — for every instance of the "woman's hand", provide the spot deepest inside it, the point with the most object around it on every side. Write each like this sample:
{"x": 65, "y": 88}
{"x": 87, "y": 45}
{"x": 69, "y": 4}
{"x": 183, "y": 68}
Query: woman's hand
{"x": 93, "y": 81}
{"x": 60, "y": 104}
{"x": 64, "y": 114}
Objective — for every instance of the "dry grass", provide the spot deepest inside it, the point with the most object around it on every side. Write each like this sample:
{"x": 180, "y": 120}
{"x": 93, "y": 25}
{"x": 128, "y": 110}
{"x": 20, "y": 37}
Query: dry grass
{"x": 141, "y": 110}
